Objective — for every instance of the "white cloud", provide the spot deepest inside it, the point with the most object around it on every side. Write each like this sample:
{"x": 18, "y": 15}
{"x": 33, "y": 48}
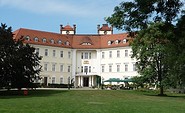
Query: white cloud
{"x": 81, "y": 8}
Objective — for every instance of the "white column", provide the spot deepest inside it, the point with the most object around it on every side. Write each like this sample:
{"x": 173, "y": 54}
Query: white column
{"x": 73, "y": 64}
{"x": 90, "y": 81}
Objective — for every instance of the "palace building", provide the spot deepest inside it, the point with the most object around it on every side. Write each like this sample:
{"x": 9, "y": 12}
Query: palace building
{"x": 83, "y": 59}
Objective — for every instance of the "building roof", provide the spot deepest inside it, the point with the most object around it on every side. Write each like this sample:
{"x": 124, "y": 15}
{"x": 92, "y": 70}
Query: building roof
{"x": 67, "y": 28}
{"x": 72, "y": 41}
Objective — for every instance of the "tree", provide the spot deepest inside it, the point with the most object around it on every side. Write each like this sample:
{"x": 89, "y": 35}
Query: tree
{"x": 19, "y": 64}
{"x": 152, "y": 46}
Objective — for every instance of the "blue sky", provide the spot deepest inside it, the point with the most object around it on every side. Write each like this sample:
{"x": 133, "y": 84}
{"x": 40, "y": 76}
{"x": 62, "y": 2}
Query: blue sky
{"x": 47, "y": 15}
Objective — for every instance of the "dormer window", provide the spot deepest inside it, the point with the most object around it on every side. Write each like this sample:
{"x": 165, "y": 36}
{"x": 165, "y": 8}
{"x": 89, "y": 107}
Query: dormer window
{"x": 52, "y": 41}
{"x": 44, "y": 40}
{"x": 124, "y": 40}
{"x": 59, "y": 42}
{"x": 36, "y": 39}
{"x": 27, "y": 38}
{"x": 67, "y": 43}
{"x": 117, "y": 41}
{"x": 109, "y": 42}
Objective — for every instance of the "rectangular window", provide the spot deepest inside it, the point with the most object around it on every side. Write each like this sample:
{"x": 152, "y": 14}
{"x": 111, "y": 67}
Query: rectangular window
{"x": 126, "y": 53}
{"x": 110, "y": 68}
{"x": 61, "y": 68}
{"x": 54, "y": 52}
{"x": 53, "y": 67}
{"x": 134, "y": 67}
{"x": 126, "y": 67}
{"x": 86, "y": 55}
{"x": 102, "y": 68}
{"x": 110, "y": 54}
{"x": 45, "y": 67}
{"x": 118, "y": 53}
{"x": 86, "y": 69}
{"x": 103, "y": 55}
{"x": 53, "y": 80}
{"x": 89, "y": 55}
{"x": 61, "y": 54}
{"x": 82, "y": 69}
{"x": 69, "y": 69}
{"x": 118, "y": 68}
{"x": 89, "y": 69}
{"x": 46, "y": 52}
{"x": 82, "y": 55}
{"x": 37, "y": 51}
{"x": 61, "y": 80}
{"x": 69, "y": 54}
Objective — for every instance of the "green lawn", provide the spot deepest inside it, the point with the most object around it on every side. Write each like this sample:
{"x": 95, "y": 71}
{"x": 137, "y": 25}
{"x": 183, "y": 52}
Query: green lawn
{"x": 95, "y": 101}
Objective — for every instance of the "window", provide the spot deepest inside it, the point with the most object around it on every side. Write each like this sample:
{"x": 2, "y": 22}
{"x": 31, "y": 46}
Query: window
{"x": 59, "y": 42}
{"x": 53, "y": 67}
{"x": 52, "y": 41}
{"x": 86, "y": 69}
{"x": 110, "y": 68}
{"x": 110, "y": 54}
{"x": 109, "y": 42}
{"x": 89, "y": 69}
{"x": 61, "y": 54}
{"x": 86, "y": 55}
{"x": 126, "y": 53}
{"x": 67, "y": 43}
{"x": 36, "y": 39}
{"x": 82, "y": 70}
{"x": 69, "y": 54}
{"x": 124, "y": 40}
{"x": 61, "y": 68}
{"x": 126, "y": 67}
{"x": 118, "y": 53}
{"x": 54, "y": 53}
{"x": 46, "y": 52}
{"x": 69, "y": 69}
{"x": 53, "y": 80}
{"x": 61, "y": 80}
{"x": 82, "y": 56}
{"x": 134, "y": 67}
{"x": 103, "y": 55}
{"x": 45, "y": 67}
{"x": 37, "y": 51}
{"x": 44, "y": 40}
{"x": 116, "y": 42}
{"x": 27, "y": 38}
{"x": 102, "y": 68}
{"x": 118, "y": 68}
{"x": 89, "y": 55}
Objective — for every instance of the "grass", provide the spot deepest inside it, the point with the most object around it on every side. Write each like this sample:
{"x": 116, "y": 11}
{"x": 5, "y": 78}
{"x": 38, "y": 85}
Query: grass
{"x": 95, "y": 101}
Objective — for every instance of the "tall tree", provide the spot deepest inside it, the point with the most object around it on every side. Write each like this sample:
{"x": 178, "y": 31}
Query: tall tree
{"x": 19, "y": 64}
{"x": 154, "y": 20}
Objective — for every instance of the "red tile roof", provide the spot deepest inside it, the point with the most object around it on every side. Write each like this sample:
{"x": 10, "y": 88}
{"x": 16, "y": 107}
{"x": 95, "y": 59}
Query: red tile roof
{"x": 105, "y": 27}
{"x": 68, "y": 28}
{"x": 75, "y": 41}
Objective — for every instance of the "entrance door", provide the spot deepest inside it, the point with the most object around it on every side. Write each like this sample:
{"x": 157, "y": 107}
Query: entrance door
{"x": 86, "y": 81}
{"x": 45, "y": 81}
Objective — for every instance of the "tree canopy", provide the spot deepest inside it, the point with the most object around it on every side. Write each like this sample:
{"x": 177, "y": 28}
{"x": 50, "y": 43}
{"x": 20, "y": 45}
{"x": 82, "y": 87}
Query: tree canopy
{"x": 19, "y": 64}
{"x": 158, "y": 45}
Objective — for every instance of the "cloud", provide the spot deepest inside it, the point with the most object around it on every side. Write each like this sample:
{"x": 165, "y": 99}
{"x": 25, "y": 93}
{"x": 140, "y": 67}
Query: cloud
{"x": 81, "y": 8}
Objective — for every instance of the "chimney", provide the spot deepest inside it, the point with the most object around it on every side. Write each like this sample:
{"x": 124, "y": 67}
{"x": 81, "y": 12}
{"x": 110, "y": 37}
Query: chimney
{"x": 61, "y": 26}
{"x": 98, "y": 27}
{"x": 74, "y": 27}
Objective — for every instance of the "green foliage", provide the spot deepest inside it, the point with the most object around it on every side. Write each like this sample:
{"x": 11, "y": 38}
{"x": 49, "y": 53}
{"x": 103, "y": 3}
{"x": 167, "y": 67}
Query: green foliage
{"x": 19, "y": 65}
{"x": 139, "y": 13}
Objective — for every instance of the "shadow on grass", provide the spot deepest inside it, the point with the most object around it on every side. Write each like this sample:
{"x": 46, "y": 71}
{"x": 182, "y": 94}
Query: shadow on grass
{"x": 31, "y": 93}
{"x": 167, "y": 95}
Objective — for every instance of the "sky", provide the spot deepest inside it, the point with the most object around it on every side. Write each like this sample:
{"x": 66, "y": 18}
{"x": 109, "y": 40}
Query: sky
{"x": 47, "y": 15}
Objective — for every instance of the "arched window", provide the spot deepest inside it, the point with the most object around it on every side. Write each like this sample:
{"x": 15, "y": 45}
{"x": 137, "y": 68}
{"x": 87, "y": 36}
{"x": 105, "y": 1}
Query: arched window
{"x": 124, "y": 40}
{"x": 52, "y": 41}
{"x": 44, "y": 40}
{"x": 59, "y": 42}
{"x": 117, "y": 41}
{"x": 109, "y": 42}
{"x": 67, "y": 43}
{"x": 27, "y": 38}
{"x": 36, "y": 39}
